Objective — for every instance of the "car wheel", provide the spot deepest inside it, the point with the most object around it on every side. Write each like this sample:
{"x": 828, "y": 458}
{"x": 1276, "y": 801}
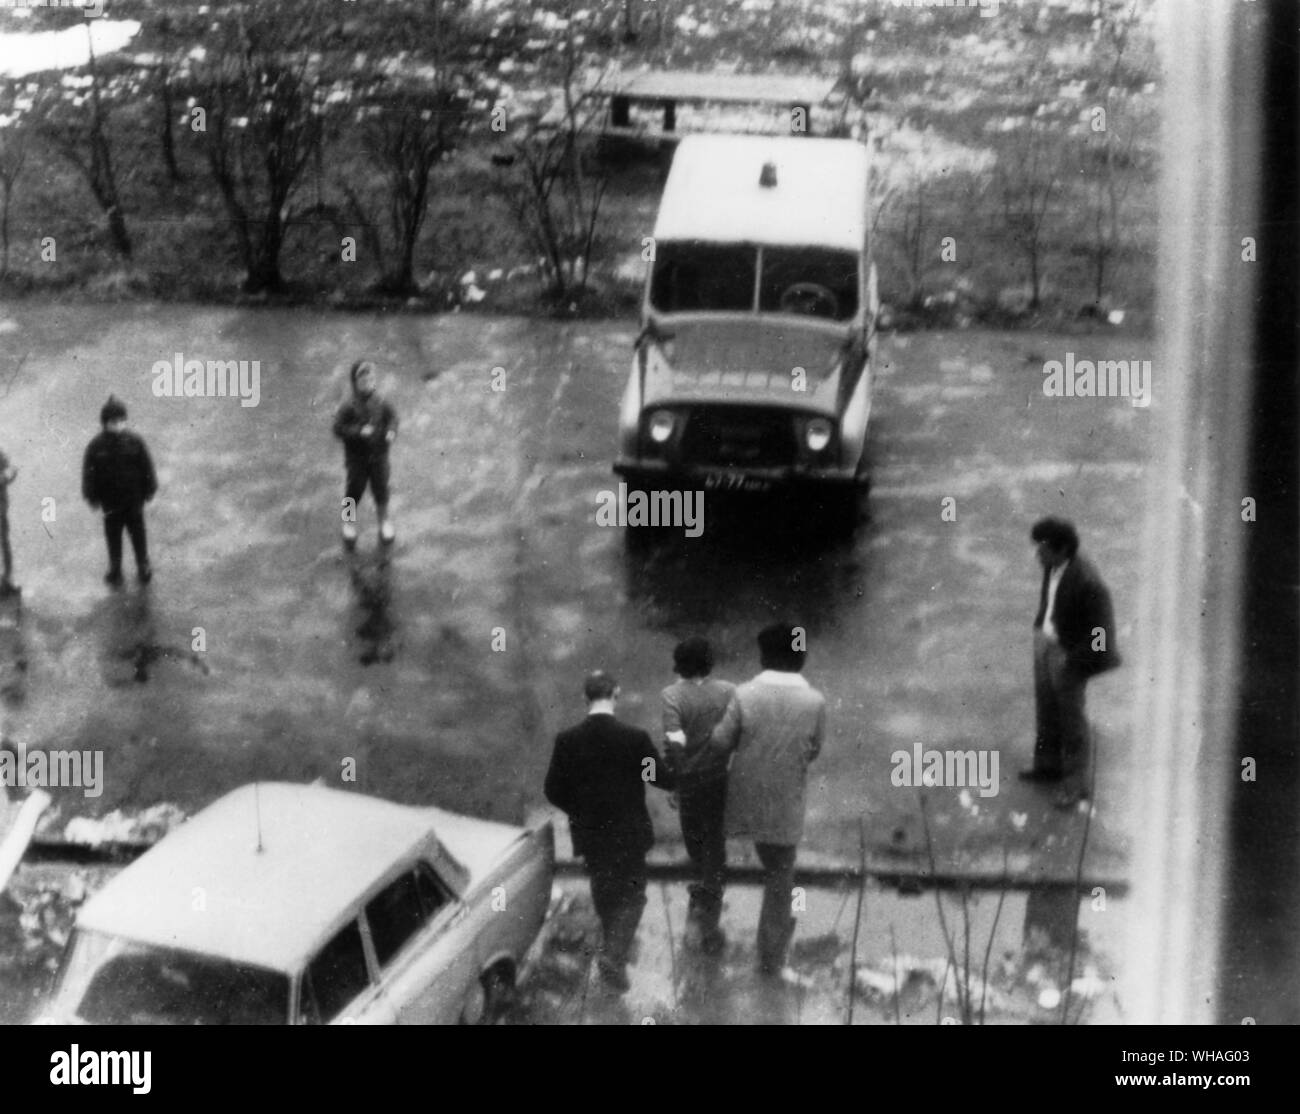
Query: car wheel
{"x": 498, "y": 993}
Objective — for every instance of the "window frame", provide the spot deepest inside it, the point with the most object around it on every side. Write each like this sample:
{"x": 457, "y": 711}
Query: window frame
{"x": 431, "y": 920}
{"x": 301, "y": 979}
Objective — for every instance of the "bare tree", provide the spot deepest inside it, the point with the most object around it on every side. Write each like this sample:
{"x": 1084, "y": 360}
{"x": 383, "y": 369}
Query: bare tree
{"x": 1117, "y": 24}
{"x": 166, "y": 120}
{"x": 173, "y": 32}
{"x": 264, "y": 123}
{"x": 409, "y": 128}
{"x": 912, "y": 237}
{"x": 1028, "y": 177}
{"x": 82, "y": 138}
{"x": 555, "y": 188}
{"x": 409, "y": 137}
{"x": 13, "y": 156}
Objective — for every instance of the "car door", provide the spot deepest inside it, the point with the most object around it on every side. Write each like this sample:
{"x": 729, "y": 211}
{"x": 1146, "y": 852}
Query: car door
{"x": 424, "y": 947}
{"x": 338, "y": 983}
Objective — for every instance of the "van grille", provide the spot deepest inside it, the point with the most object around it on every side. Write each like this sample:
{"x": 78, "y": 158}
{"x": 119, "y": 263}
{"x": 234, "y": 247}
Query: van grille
{"x": 739, "y": 437}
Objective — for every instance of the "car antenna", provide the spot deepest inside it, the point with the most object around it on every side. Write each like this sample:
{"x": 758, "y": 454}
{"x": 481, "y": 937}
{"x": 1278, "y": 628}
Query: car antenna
{"x": 257, "y": 810}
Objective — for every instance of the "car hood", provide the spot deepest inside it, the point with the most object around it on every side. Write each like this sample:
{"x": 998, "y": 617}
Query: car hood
{"x": 745, "y": 360}
{"x": 478, "y": 845}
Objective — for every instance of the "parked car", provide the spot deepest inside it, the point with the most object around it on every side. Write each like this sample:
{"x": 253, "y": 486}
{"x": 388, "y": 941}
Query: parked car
{"x": 753, "y": 368}
{"x": 290, "y": 904}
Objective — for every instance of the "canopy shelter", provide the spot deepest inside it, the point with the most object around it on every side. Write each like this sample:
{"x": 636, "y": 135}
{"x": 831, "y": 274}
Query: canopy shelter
{"x": 669, "y": 89}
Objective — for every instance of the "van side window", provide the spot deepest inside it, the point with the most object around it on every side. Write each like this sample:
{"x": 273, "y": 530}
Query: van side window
{"x": 335, "y": 977}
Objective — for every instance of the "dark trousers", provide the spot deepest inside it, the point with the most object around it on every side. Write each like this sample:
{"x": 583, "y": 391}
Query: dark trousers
{"x": 618, "y": 881}
{"x": 132, "y": 518}
{"x": 6, "y": 554}
{"x": 1061, "y": 739}
{"x": 775, "y": 920}
{"x": 363, "y": 473}
{"x": 702, "y": 811}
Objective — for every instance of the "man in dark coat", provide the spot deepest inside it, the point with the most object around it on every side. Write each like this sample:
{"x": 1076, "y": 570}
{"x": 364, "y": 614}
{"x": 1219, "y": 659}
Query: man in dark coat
{"x": 598, "y": 774}
{"x": 1074, "y": 640}
{"x": 117, "y": 477}
{"x": 367, "y": 425}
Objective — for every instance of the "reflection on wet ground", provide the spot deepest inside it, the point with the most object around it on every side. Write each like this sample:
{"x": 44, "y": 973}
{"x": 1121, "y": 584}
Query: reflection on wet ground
{"x": 372, "y": 587}
{"x": 762, "y": 559}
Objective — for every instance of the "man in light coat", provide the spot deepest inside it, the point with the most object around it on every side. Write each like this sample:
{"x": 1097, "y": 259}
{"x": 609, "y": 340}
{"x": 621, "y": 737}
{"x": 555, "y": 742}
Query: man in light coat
{"x": 774, "y": 724}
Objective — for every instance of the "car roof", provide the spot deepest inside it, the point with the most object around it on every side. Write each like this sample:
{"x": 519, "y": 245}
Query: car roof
{"x": 713, "y": 192}
{"x": 206, "y": 887}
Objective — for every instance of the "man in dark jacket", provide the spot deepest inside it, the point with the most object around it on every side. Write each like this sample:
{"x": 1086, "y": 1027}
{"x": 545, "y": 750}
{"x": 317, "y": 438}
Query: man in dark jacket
{"x": 367, "y": 425}
{"x": 692, "y": 708}
{"x": 117, "y": 477}
{"x": 598, "y": 774}
{"x": 1074, "y": 640}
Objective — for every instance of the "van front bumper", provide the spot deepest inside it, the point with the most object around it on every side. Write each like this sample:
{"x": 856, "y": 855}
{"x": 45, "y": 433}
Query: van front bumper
{"x": 713, "y": 478}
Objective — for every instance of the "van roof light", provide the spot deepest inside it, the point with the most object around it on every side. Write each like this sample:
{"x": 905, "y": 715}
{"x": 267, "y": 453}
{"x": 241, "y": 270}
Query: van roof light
{"x": 767, "y": 177}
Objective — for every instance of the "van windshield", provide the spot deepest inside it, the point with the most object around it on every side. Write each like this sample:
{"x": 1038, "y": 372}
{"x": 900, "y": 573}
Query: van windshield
{"x": 695, "y": 276}
{"x": 692, "y": 276}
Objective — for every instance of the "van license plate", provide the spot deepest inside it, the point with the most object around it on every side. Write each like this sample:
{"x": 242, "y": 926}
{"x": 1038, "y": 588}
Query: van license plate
{"x": 734, "y": 481}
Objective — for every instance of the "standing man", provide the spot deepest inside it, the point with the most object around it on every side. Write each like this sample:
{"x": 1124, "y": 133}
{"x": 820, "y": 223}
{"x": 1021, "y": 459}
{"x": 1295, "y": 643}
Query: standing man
{"x": 1074, "y": 639}
{"x": 598, "y": 774}
{"x": 775, "y": 724}
{"x": 117, "y": 477}
{"x": 692, "y": 707}
{"x": 367, "y": 425}
{"x": 7, "y": 476}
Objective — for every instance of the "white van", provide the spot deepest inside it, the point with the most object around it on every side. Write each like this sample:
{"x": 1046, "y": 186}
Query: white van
{"x": 753, "y": 369}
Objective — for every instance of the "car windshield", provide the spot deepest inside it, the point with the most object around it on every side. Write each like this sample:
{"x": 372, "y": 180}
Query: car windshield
{"x": 691, "y": 276}
{"x": 111, "y": 981}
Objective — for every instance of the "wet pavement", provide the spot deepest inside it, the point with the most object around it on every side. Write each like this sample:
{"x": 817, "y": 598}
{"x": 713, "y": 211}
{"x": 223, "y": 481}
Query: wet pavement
{"x": 1015, "y": 946}
{"x": 443, "y": 668}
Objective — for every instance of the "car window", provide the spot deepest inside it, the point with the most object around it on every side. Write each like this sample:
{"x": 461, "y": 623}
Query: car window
{"x": 698, "y": 276}
{"x": 401, "y": 909}
{"x": 433, "y": 894}
{"x": 128, "y": 983}
{"x": 335, "y": 977}
{"x": 817, "y": 281}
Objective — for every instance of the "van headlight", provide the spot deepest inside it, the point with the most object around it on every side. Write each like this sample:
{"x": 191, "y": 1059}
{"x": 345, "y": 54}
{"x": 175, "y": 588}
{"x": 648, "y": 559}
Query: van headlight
{"x": 818, "y": 433}
{"x": 660, "y": 426}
